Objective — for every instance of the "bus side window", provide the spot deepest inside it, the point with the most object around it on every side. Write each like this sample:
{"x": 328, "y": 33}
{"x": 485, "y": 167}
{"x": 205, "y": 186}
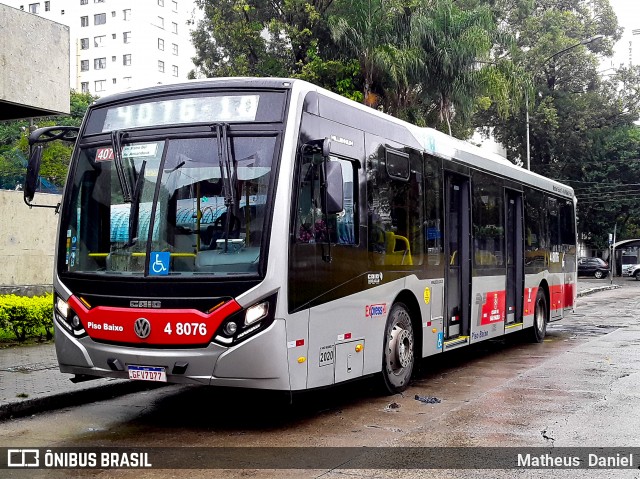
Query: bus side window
{"x": 396, "y": 220}
{"x": 535, "y": 229}
{"x": 312, "y": 226}
{"x": 554, "y": 225}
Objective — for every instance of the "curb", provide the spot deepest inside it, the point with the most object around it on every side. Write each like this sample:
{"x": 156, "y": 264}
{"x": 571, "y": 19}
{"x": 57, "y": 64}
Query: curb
{"x": 586, "y": 292}
{"x": 73, "y": 398}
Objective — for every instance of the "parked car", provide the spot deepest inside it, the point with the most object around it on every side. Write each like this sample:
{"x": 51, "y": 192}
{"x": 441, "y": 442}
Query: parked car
{"x": 633, "y": 271}
{"x": 596, "y": 267}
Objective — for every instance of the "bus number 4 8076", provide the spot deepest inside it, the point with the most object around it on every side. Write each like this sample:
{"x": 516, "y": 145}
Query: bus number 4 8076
{"x": 187, "y": 329}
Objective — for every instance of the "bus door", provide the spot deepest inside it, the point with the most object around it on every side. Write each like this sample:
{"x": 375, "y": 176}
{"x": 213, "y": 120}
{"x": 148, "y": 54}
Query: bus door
{"x": 515, "y": 257}
{"x": 458, "y": 271}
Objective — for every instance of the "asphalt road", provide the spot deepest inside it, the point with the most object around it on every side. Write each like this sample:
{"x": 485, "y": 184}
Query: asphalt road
{"x": 579, "y": 388}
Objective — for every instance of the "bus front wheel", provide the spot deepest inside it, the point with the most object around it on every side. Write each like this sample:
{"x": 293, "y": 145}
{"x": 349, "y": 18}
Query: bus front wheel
{"x": 540, "y": 317}
{"x": 398, "y": 356}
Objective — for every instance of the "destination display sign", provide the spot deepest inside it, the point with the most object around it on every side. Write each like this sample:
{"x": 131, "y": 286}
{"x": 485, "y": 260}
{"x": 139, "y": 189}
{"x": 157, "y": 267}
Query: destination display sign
{"x": 204, "y": 109}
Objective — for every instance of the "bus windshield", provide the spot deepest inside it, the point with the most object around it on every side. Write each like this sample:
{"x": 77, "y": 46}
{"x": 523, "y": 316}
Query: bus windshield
{"x": 192, "y": 208}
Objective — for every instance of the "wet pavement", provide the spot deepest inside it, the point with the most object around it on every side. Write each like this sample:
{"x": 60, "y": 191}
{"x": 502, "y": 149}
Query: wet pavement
{"x": 30, "y": 381}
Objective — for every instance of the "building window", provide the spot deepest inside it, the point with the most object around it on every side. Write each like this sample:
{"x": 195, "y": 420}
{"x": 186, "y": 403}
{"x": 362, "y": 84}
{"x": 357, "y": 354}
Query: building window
{"x": 160, "y": 66}
{"x": 84, "y": 21}
{"x": 99, "y": 41}
{"x": 34, "y": 8}
{"x": 160, "y": 44}
{"x": 174, "y": 27}
{"x": 174, "y": 5}
{"x": 113, "y": 58}
{"x": 174, "y": 68}
{"x": 84, "y": 44}
{"x": 100, "y": 85}
{"x": 99, "y": 63}
{"x": 161, "y": 3}
{"x": 84, "y": 87}
{"x": 174, "y": 47}
{"x": 100, "y": 19}
{"x": 98, "y": 1}
{"x": 126, "y": 37}
{"x": 84, "y": 2}
{"x": 160, "y": 22}
{"x": 47, "y": 6}
{"x": 84, "y": 65}
{"x": 113, "y": 14}
{"x": 126, "y": 59}
{"x": 113, "y": 35}
{"x": 127, "y": 14}
{"x": 114, "y": 81}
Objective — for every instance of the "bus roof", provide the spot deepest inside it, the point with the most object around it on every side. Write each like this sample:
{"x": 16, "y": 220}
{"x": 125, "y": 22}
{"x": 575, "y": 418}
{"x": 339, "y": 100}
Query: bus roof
{"x": 432, "y": 141}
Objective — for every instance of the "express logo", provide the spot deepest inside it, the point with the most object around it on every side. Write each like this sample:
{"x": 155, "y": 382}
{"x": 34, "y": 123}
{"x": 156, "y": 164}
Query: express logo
{"x": 374, "y": 310}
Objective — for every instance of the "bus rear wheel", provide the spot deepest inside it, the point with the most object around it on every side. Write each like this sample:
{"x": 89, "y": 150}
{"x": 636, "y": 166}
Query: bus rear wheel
{"x": 540, "y": 317}
{"x": 398, "y": 356}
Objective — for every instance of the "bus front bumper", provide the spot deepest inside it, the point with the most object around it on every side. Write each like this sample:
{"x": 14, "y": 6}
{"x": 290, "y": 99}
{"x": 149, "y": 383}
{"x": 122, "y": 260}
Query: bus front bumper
{"x": 259, "y": 362}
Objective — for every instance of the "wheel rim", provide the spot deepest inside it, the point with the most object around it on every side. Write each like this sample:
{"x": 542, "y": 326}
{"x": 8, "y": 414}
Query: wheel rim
{"x": 540, "y": 315}
{"x": 400, "y": 349}
{"x": 598, "y": 274}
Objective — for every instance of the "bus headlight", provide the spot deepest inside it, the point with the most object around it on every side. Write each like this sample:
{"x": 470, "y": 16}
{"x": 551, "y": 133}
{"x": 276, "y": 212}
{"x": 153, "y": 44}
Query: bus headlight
{"x": 230, "y": 328}
{"x": 62, "y": 307}
{"x": 67, "y": 317}
{"x": 246, "y": 323}
{"x": 256, "y": 313}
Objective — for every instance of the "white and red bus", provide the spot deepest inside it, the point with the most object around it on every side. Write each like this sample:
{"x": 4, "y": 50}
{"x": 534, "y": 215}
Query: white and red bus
{"x": 267, "y": 233}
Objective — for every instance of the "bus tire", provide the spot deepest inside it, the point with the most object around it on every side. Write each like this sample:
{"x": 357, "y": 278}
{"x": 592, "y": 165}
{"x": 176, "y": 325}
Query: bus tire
{"x": 540, "y": 317}
{"x": 398, "y": 356}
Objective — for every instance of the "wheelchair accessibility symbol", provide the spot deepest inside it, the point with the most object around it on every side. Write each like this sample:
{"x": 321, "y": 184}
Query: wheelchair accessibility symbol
{"x": 159, "y": 263}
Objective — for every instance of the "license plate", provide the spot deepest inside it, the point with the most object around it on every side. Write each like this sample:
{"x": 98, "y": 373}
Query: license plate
{"x": 147, "y": 373}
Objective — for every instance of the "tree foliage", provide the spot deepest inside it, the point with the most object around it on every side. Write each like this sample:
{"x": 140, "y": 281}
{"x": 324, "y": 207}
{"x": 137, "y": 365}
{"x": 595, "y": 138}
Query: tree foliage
{"x": 14, "y": 149}
{"x": 459, "y": 65}
{"x": 256, "y": 37}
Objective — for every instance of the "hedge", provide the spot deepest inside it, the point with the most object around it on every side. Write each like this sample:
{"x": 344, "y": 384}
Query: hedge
{"x": 26, "y": 316}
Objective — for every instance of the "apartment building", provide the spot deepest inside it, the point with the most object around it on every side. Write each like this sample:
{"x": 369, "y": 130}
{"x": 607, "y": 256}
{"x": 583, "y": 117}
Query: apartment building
{"x": 118, "y": 45}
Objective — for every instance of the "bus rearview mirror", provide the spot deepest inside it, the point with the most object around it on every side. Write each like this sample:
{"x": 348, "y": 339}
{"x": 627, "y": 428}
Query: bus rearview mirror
{"x": 335, "y": 192}
{"x": 326, "y": 147}
{"x": 33, "y": 172}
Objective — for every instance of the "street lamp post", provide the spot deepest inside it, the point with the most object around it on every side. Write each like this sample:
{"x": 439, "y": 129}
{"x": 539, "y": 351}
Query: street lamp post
{"x": 526, "y": 93}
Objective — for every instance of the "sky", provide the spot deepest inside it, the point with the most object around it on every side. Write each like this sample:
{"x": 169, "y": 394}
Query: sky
{"x": 628, "y": 13}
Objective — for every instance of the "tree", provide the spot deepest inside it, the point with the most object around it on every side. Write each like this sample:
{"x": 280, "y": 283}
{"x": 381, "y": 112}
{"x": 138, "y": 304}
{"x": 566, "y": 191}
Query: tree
{"x": 457, "y": 69}
{"x": 14, "y": 149}
{"x": 364, "y": 28}
{"x": 256, "y": 37}
{"x": 548, "y": 34}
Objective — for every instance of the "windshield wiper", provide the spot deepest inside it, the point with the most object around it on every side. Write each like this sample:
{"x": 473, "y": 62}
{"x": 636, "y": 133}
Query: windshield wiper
{"x": 134, "y": 211}
{"x": 123, "y": 178}
{"x": 225, "y": 159}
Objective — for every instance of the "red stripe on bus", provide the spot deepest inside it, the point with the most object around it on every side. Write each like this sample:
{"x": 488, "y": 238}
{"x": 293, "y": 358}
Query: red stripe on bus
{"x": 493, "y": 310}
{"x": 168, "y": 326}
